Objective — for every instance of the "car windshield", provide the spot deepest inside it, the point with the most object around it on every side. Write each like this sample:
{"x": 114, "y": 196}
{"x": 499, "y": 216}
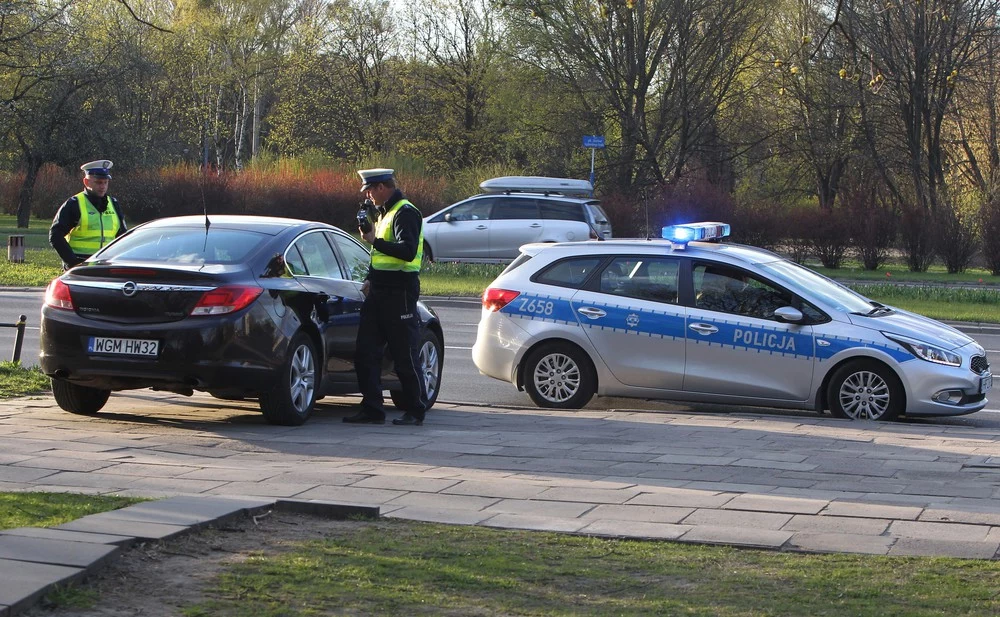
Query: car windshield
{"x": 818, "y": 286}
{"x": 180, "y": 245}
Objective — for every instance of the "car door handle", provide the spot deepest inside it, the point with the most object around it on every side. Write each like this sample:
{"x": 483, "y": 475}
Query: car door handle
{"x": 481, "y": 227}
{"x": 534, "y": 225}
{"x": 591, "y": 312}
{"x": 703, "y": 328}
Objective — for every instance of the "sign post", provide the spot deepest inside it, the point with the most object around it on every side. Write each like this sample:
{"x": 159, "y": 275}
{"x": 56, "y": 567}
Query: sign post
{"x": 593, "y": 142}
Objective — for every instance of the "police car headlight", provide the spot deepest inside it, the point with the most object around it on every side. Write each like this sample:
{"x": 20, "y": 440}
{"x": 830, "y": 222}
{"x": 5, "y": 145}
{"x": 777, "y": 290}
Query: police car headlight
{"x": 927, "y": 352}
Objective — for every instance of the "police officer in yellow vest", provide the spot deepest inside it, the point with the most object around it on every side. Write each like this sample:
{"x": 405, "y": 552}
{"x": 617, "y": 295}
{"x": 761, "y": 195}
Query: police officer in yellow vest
{"x": 88, "y": 220}
{"x": 389, "y": 314}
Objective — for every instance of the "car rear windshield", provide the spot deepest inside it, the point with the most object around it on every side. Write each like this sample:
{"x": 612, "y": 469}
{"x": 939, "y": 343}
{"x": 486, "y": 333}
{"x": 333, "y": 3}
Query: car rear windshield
{"x": 185, "y": 245}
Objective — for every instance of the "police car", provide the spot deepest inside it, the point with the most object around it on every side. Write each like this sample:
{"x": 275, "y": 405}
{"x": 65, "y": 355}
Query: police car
{"x": 690, "y": 318}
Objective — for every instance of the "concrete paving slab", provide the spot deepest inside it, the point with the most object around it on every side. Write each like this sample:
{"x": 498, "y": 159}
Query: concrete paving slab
{"x": 842, "y": 525}
{"x": 939, "y": 531}
{"x": 99, "y": 523}
{"x": 534, "y": 523}
{"x": 612, "y": 528}
{"x": 737, "y": 536}
{"x": 651, "y": 514}
{"x": 439, "y": 515}
{"x": 55, "y": 552}
{"x": 870, "y": 510}
{"x": 24, "y": 583}
{"x": 775, "y": 503}
{"x": 925, "y": 547}
{"x": 64, "y": 535}
{"x": 737, "y": 519}
{"x": 839, "y": 543}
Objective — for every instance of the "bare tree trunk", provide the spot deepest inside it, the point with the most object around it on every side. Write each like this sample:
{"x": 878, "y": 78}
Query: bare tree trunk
{"x": 27, "y": 191}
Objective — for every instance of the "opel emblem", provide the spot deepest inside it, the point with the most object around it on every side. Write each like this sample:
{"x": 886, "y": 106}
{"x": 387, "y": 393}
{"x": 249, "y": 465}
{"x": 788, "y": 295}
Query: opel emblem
{"x": 129, "y": 289}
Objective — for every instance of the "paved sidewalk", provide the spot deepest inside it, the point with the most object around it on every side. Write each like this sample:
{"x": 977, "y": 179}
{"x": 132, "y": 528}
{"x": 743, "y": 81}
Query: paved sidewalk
{"x": 781, "y": 482}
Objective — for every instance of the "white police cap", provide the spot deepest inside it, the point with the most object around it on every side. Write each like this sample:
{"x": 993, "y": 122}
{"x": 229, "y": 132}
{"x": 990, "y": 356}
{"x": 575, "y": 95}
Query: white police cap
{"x": 97, "y": 169}
{"x": 372, "y": 176}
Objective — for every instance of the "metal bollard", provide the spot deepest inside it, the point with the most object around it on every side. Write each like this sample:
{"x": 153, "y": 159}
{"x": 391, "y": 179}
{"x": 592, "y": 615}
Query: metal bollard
{"x": 19, "y": 338}
{"x": 15, "y": 249}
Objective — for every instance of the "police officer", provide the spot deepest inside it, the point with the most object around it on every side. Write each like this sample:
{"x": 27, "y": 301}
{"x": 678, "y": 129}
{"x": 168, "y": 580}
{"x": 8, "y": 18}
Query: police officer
{"x": 389, "y": 314}
{"x": 88, "y": 220}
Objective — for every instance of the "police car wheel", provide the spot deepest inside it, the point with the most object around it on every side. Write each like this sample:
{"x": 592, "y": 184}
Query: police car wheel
{"x": 559, "y": 376}
{"x": 865, "y": 390}
{"x": 79, "y": 399}
{"x": 291, "y": 401}
{"x": 429, "y": 367}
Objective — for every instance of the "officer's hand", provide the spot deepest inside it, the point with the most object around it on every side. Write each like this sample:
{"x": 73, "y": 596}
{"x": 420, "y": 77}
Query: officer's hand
{"x": 368, "y": 236}
{"x": 365, "y": 287}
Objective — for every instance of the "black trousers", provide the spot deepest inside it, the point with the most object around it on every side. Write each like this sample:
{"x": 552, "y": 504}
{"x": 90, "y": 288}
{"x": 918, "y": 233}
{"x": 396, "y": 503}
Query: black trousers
{"x": 389, "y": 318}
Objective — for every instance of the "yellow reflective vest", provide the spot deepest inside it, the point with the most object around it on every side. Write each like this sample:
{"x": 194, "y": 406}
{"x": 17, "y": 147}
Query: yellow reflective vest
{"x": 95, "y": 230}
{"x": 383, "y": 229}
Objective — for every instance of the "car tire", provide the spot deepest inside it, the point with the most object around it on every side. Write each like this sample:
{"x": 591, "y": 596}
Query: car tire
{"x": 430, "y": 364}
{"x": 428, "y": 254}
{"x": 291, "y": 401}
{"x": 865, "y": 390}
{"x": 559, "y": 376}
{"x": 79, "y": 399}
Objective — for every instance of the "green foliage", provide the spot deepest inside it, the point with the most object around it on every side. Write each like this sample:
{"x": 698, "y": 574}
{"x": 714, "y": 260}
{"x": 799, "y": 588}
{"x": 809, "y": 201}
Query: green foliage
{"x": 50, "y": 509}
{"x": 402, "y": 568}
{"x": 15, "y": 380}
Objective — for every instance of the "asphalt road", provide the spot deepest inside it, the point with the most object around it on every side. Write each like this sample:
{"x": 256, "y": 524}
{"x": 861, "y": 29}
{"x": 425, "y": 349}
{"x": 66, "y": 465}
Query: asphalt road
{"x": 462, "y": 383}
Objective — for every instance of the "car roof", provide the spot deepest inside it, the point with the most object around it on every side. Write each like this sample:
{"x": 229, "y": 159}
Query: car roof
{"x": 656, "y": 246}
{"x": 262, "y": 224}
{"x": 547, "y": 195}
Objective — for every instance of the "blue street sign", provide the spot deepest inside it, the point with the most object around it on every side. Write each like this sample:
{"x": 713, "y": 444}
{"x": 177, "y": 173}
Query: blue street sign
{"x": 593, "y": 141}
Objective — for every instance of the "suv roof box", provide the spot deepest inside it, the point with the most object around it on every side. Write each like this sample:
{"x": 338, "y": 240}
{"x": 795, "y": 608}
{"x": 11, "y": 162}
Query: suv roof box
{"x": 537, "y": 184}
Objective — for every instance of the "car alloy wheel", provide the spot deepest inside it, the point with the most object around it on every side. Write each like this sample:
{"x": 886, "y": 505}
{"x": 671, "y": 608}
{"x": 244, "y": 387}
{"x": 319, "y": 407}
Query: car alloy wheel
{"x": 865, "y": 390}
{"x": 291, "y": 402}
{"x": 559, "y": 375}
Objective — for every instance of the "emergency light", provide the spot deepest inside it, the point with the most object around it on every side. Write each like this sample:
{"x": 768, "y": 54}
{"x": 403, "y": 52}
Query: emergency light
{"x": 680, "y": 235}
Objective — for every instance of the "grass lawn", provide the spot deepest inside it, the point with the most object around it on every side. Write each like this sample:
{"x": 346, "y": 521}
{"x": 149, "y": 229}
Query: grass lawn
{"x": 50, "y": 509}
{"x": 393, "y": 567}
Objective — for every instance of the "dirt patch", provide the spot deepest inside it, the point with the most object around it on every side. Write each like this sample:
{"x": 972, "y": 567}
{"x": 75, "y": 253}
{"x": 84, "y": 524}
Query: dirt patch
{"x": 159, "y": 579}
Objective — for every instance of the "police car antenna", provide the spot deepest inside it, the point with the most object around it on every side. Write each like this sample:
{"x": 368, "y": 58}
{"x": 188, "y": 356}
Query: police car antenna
{"x": 204, "y": 209}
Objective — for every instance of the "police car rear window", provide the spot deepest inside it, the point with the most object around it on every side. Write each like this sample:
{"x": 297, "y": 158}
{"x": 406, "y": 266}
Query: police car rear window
{"x": 568, "y": 272}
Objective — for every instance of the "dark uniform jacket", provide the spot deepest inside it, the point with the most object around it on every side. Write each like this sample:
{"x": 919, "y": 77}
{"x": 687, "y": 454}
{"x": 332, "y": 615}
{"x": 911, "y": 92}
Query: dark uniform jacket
{"x": 68, "y": 217}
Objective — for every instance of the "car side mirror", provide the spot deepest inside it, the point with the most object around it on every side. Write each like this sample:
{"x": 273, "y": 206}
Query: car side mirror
{"x": 788, "y": 314}
{"x": 447, "y": 217}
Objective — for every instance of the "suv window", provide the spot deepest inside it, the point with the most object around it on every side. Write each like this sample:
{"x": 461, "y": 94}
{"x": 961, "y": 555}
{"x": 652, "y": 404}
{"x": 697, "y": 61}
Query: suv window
{"x": 509, "y": 208}
{"x": 561, "y": 210}
{"x": 473, "y": 210}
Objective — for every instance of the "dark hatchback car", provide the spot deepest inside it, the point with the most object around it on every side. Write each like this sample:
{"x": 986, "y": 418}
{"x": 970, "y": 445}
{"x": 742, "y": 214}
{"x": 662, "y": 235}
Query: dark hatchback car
{"x": 237, "y": 306}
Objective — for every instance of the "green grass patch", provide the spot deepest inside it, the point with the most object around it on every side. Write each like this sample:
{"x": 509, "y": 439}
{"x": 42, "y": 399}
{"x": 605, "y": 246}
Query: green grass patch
{"x": 899, "y": 273}
{"x": 980, "y": 305}
{"x": 36, "y": 235}
{"x": 407, "y": 568}
{"x": 49, "y": 509}
{"x": 16, "y": 380}
{"x": 457, "y": 279}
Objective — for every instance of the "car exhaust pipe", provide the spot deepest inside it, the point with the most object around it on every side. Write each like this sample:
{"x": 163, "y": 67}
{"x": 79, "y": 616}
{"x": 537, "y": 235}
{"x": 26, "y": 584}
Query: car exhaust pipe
{"x": 61, "y": 373}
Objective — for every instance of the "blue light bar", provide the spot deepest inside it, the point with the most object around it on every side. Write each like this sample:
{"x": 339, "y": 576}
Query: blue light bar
{"x": 694, "y": 232}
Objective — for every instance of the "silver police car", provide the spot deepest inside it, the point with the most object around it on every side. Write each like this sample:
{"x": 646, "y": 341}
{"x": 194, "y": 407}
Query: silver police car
{"x": 689, "y": 318}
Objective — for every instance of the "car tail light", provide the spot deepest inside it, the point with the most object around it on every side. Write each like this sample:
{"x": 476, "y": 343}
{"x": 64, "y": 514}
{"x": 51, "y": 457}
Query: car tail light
{"x": 226, "y": 299}
{"x": 495, "y": 299}
{"x": 57, "y": 295}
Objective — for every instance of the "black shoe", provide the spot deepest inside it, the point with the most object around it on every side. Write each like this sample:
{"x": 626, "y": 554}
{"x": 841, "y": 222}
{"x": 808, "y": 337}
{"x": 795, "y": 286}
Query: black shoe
{"x": 408, "y": 420}
{"x": 363, "y": 417}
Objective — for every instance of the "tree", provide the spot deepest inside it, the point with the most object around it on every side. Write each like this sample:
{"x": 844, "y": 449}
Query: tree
{"x": 663, "y": 68}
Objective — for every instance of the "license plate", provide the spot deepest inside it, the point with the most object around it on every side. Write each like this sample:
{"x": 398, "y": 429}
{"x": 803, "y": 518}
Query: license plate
{"x": 122, "y": 346}
{"x": 986, "y": 383}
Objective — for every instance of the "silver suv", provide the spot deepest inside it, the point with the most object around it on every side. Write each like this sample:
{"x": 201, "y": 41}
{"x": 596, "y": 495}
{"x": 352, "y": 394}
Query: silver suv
{"x": 512, "y": 211}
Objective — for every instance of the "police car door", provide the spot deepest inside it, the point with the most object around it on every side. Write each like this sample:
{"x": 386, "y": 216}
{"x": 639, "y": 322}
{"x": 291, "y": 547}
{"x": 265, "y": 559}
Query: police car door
{"x": 631, "y": 315}
{"x": 735, "y": 345}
